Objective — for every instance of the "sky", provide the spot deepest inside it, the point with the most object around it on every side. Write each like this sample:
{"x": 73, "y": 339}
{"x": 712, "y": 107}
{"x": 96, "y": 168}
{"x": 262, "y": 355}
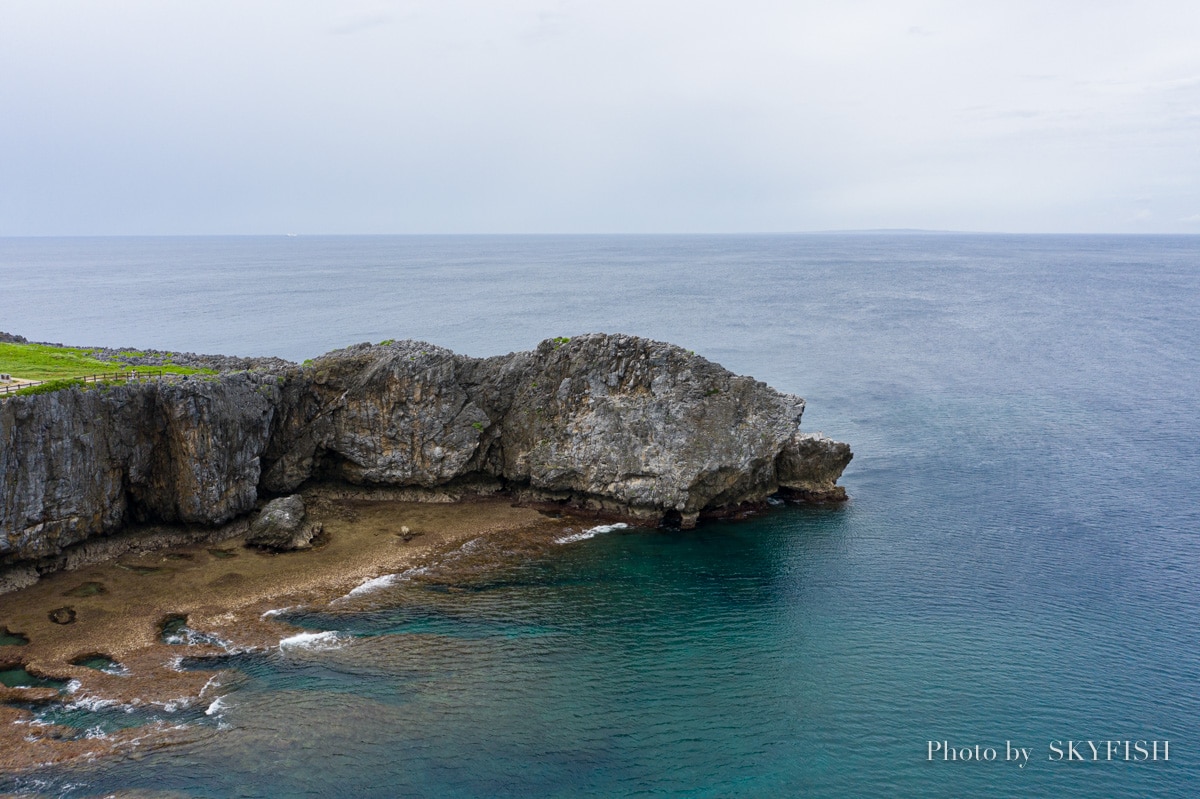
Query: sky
{"x": 608, "y": 116}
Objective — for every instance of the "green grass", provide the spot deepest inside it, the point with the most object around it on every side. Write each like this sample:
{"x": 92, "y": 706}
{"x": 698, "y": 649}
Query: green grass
{"x": 61, "y": 383}
{"x": 46, "y": 388}
{"x": 42, "y": 362}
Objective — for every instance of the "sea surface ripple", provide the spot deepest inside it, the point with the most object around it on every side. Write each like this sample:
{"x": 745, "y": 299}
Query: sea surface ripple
{"x": 1019, "y": 560}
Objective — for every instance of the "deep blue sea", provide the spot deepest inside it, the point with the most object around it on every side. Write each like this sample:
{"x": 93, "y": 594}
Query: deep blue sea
{"x": 1019, "y": 562}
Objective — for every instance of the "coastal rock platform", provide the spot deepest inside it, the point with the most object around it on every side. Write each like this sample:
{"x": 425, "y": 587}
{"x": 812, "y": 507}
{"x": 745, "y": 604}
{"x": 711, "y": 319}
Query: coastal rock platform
{"x": 150, "y": 634}
{"x": 150, "y": 531}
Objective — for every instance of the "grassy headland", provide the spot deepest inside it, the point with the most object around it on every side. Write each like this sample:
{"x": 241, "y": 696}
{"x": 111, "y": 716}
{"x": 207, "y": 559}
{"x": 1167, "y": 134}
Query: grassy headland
{"x": 46, "y": 362}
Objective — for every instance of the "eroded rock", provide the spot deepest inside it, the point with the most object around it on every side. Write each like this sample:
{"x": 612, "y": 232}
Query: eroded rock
{"x": 611, "y": 423}
{"x": 282, "y": 526}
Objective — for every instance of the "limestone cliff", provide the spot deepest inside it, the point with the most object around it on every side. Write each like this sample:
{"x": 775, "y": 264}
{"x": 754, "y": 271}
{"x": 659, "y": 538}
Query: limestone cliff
{"x": 618, "y": 423}
{"x": 78, "y": 463}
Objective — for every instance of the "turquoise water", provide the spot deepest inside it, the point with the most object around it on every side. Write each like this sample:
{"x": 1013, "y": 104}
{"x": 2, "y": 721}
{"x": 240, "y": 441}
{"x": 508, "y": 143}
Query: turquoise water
{"x": 1019, "y": 561}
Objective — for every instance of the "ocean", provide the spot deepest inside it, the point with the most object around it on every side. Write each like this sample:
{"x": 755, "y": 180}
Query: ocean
{"x": 1018, "y": 568}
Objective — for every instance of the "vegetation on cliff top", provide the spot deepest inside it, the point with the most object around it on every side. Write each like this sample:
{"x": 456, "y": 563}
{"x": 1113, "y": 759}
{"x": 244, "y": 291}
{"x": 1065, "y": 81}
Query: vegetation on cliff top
{"x": 45, "y": 362}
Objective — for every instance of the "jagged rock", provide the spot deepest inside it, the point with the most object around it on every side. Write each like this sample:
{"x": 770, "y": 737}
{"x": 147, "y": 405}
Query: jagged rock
{"x": 809, "y": 466}
{"x": 219, "y": 363}
{"x": 282, "y": 526}
{"x": 613, "y": 423}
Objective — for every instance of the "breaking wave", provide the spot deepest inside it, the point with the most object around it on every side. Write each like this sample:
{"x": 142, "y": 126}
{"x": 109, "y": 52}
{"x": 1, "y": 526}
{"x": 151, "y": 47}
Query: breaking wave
{"x": 384, "y": 581}
{"x": 312, "y": 641}
{"x": 591, "y": 532}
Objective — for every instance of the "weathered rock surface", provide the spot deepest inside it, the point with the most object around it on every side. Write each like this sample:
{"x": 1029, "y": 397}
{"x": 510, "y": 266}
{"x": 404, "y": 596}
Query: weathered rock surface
{"x": 615, "y": 423}
{"x": 78, "y": 462}
{"x": 219, "y": 363}
{"x": 805, "y": 464}
{"x": 282, "y": 526}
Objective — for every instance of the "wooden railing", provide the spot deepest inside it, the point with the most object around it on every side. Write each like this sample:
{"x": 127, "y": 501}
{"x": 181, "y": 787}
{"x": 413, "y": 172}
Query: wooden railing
{"x": 132, "y": 376}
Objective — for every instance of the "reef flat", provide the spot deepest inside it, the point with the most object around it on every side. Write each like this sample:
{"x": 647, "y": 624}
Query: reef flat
{"x": 97, "y": 661}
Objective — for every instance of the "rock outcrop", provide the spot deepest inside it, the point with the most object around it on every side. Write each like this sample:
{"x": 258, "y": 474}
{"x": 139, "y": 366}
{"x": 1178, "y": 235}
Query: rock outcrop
{"x": 615, "y": 423}
{"x": 152, "y": 358}
{"x": 283, "y": 527}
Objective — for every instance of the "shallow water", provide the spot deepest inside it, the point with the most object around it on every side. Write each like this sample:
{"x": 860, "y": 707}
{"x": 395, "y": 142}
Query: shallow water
{"x": 1018, "y": 562}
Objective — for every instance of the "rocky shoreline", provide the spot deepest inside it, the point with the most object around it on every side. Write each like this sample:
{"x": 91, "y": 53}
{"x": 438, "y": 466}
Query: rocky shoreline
{"x": 616, "y": 424}
{"x": 144, "y": 638}
{"x": 145, "y": 523}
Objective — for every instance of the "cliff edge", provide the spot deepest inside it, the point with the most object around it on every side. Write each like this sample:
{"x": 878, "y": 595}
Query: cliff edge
{"x": 615, "y": 423}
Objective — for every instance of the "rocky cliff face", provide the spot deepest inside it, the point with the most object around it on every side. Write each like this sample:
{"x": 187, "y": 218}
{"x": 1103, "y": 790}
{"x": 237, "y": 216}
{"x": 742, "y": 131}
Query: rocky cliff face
{"x": 617, "y": 423}
{"x": 78, "y": 463}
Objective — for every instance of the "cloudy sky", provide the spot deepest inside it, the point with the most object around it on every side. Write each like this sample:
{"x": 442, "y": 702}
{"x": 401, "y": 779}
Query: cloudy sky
{"x": 562, "y": 116}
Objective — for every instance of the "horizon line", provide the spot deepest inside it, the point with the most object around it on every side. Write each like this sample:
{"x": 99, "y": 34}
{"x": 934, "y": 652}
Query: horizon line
{"x": 827, "y": 232}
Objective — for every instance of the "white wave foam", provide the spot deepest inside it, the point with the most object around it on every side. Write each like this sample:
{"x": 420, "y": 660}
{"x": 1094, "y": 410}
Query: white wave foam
{"x": 73, "y": 686}
{"x": 408, "y": 574}
{"x": 190, "y": 637}
{"x": 277, "y": 611}
{"x": 175, "y": 705}
{"x": 216, "y": 707}
{"x": 591, "y": 532}
{"x": 374, "y": 584}
{"x": 311, "y": 641}
{"x": 384, "y": 581}
{"x": 212, "y": 682}
{"x": 90, "y": 703}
